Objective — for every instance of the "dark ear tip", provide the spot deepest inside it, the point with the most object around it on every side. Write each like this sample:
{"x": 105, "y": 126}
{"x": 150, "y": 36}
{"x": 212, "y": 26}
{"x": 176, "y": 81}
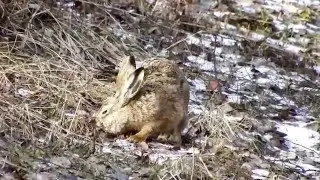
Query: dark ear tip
{"x": 132, "y": 60}
{"x": 139, "y": 70}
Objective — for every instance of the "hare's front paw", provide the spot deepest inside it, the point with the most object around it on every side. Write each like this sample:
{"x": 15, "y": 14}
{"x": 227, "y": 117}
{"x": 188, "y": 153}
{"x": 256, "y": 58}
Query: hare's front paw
{"x": 136, "y": 138}
{"x": 139, "y": 139}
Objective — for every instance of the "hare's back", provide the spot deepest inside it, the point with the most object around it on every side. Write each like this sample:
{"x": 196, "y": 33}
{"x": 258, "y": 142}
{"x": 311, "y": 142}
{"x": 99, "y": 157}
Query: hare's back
{"x": 163, "y": 67}
{"x": 166, "y": 84}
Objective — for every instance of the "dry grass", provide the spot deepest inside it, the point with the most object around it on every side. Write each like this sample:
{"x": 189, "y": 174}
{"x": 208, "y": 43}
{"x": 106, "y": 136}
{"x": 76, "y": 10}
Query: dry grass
{"x": 54, "y": 72}
{"x": 225, "y": 164}
{"x": 49, "y": 71}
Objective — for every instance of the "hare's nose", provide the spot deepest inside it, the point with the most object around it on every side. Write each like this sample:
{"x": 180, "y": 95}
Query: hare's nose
{"x": 94, "y": 115}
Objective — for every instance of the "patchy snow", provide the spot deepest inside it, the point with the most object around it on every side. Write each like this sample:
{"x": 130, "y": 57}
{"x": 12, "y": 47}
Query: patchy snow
{"x": 302, "y": 41}
{"x": 241, "y": 89}
{"x": 297, "y": 28}
{"x": 196, "y": 109}
{"x": 298, "y": 136}
{"x": 201, "y": 63}
{"x": 303, "y": 168}
{"x": 285, "y": 7}
{"x": 279, "y": 25}
{"x": 260, "y": 174}
{"x": 317, "y": 69}
{"x": 225, "y": 40}
{"x": 24, "y": 92}
{"x": 264, "y": 81}
{"x": 193, "y": 40}
{"x": 256, "y": 36}
{"x": 220, "y": 14}
{"x": 289, "y": 47}
{"x": 234, "y": 98}
{"x": 199, "y": 84}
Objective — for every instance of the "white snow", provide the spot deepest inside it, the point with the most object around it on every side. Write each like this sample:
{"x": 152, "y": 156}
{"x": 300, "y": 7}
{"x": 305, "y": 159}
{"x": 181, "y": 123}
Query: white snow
{"x": 298, "y": 136}
{"x": 279, "y": 25}
{"x": 264, "y": 81}
{"x": 220, "y": 14}
{"x": 317, "y": 69}
{"x": 24, "y": 92}
{"x": 260, "y": 173}
{"x": 199, "y": 84}
{"x": 201, "y": 63}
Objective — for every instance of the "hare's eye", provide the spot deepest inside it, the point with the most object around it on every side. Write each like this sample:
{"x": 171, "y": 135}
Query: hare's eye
{"x": 104, "y": 112}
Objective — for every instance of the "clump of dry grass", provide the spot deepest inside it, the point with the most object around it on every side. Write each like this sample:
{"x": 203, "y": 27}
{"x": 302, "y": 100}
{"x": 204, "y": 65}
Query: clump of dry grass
{"x": 217, "y": 128}
{"x": 49, "y": 68}
{"x": 55, "y": 69}
{"x": 223, "y": 164}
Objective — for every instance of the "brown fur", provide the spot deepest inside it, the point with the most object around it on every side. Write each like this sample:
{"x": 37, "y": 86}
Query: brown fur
{"x": 160, "y": 106}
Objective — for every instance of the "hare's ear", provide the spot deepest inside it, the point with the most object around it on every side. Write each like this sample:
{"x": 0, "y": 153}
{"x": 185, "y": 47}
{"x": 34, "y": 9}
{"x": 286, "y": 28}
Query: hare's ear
{"x": 133, "y": 84}
{"x": 127, "y": 66}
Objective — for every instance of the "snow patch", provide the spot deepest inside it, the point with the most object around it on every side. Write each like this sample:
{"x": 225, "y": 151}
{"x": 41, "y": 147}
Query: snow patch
{"x": 299, "y": 136}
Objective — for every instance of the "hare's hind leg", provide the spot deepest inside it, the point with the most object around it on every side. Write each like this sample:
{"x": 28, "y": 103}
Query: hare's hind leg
{"x": 175, "y": 137}
{"x": 163, "y": 137}
{"x": 146, "y": 131}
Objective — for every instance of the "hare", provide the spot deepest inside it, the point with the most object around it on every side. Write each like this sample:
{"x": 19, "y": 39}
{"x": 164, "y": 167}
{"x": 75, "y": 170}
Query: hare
{"x": 151, "y": 101}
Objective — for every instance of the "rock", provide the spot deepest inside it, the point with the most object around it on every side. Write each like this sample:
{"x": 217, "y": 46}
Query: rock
{"x": 293, "y": 176}
{"x": 3, "y": 144}
{"x": 301, "y": 153}
{"x": 247, "y": 166}
{"x": 265, "y": 166}
{"x": 256, "y": 160}
{"x": 61, "y": 161}
{"x": 43, "y": 176}
{"x": 260, "y": 173}
{"x": 8, "y": 176}
{"x": 40, "y": 166}
{"x": 309, "y": 160}
{"x": 291, "y": 155}
{"x": 95, "y": 166}
{"x": 317, "y": 160}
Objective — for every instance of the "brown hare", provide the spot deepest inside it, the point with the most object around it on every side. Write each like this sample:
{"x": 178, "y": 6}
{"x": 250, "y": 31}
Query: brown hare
{"x": 151, "y": 101}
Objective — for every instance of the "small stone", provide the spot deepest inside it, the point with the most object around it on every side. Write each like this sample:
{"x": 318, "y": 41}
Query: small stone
{"x": 253, "y": 156}
{"x": 261, "y": 172}
{"x": 36, "y": 165}
{"x": 246, "y": 166}
{"x": 43, "y": 176}
{"x": 95, "y": 166}
{"x": 3, "y": 144}
{"x": 265, "y": 166}
{"x": 120, "y": 176}
{"x": 302, "y": 153}
{"x": 317, "y": 160}
{"x": 256, "y": 160}
{"x": 193, "y": 150}
{"x": 61, "y": 161}
{"x": 309, "y": 160}
{"x": 291, "y": 155}
{"x": 144, "y": 146}
{"x": 8, "y": 177}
